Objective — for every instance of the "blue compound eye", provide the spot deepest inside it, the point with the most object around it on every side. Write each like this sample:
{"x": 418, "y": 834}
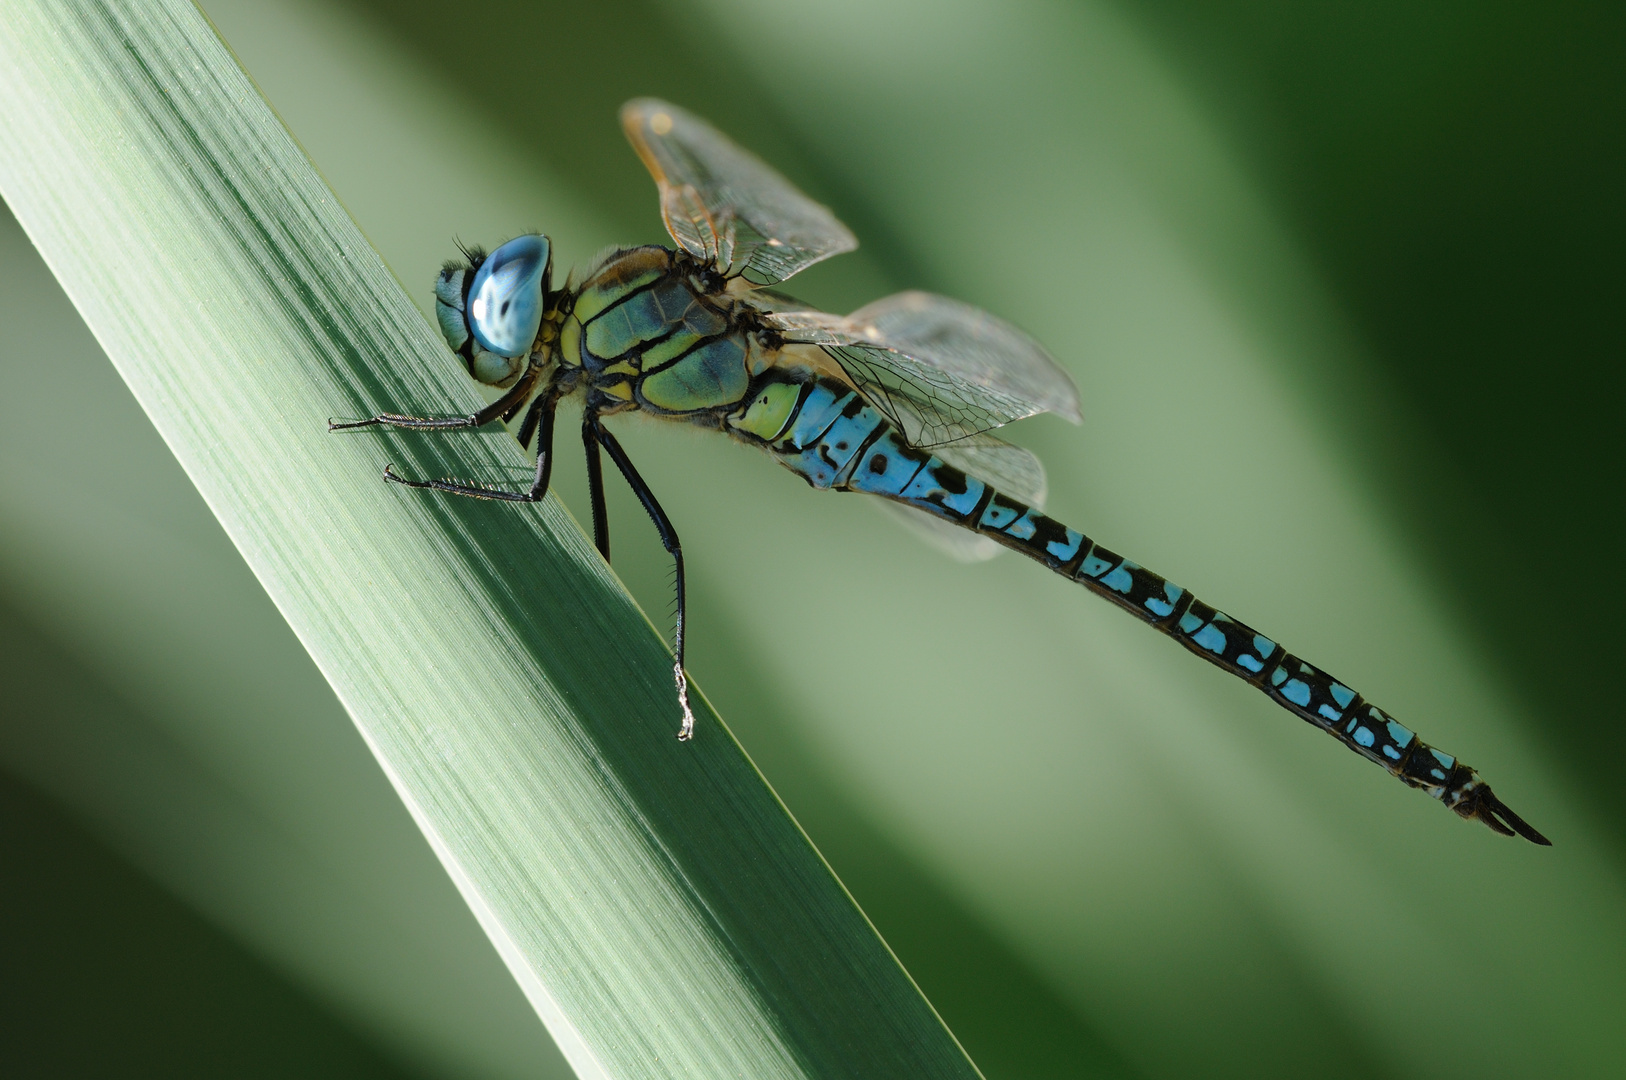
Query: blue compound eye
{"x": 505, "y": 301}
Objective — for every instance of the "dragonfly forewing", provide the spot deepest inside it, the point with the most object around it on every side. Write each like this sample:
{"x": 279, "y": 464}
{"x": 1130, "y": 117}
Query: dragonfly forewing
{"x": 725, "y": 205}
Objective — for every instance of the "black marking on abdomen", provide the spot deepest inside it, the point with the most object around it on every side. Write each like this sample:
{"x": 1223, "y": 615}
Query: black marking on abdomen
{"x": 1220, "y": 639}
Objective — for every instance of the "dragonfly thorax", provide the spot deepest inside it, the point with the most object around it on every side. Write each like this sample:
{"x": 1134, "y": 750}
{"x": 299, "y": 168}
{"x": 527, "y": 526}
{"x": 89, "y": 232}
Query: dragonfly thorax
{"x": 656, "y": 330}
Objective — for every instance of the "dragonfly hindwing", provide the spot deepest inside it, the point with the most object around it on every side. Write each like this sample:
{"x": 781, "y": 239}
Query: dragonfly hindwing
{"x": 939, "y": 369}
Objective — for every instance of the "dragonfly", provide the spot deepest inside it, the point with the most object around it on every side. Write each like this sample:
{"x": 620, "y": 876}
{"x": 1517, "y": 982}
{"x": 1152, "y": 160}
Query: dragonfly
{"x": 897, "y": 400}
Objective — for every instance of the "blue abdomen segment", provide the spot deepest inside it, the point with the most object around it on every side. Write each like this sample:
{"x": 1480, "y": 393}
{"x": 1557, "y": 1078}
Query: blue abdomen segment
{"x": 831, "y": 429}
{"x": 1220, "y": 639}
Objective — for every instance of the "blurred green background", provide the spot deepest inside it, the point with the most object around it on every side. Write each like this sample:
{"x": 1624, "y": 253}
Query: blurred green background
{"x": 1341, "y": 285}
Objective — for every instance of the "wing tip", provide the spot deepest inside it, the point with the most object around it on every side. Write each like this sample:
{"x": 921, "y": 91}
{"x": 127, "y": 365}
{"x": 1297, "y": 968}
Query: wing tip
{"x": 634, "y": 109}
{"x": 632, "y": 126}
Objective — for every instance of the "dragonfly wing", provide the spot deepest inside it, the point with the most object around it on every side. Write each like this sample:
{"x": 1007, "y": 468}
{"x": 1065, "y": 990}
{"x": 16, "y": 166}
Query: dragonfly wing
{"x": 722, "y": 204}
{"x": 961, "y": 545}
{"x": 1009, "y": 470}
{"x": 940, "y": 370}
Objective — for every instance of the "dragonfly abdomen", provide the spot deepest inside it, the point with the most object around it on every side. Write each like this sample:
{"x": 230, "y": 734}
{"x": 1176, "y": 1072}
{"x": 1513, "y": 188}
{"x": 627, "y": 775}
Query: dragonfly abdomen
{"x": 834, "y": 439}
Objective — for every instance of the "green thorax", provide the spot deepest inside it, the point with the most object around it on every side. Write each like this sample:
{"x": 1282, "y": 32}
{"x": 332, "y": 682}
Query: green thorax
{"x": 649, "y": 329}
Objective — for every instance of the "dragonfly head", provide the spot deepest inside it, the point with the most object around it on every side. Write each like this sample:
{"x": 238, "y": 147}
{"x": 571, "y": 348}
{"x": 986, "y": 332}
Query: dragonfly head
{"x": 490, "y": 306}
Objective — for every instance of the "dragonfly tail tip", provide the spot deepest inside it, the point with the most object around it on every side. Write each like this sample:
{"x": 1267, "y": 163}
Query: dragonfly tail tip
{"x": 1482, "y": 805}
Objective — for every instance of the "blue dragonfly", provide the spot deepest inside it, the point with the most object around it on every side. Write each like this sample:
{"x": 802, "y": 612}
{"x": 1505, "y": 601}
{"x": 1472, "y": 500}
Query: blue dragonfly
{"x": 895, "y": 400}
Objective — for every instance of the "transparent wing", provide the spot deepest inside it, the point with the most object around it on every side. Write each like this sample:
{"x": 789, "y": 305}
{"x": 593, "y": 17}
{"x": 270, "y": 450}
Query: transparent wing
{"x": 961, "y": 545}
{"x": 972, "y": 344}
{"x": 1010, "y": 469}
{"x": 722, "y": 204}
{"x": 940, "y": 370}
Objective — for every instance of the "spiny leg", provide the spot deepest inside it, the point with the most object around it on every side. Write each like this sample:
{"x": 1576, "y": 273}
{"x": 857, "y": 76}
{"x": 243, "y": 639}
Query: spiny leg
{"x": 669, "y": 540}
{"x": 539, "y": 485}
{"x": 595, "y": 484}
{"x": 501, "y": 407}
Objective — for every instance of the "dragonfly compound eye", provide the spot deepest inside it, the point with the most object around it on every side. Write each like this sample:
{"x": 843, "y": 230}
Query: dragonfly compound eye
{"x": 505, "y": 299}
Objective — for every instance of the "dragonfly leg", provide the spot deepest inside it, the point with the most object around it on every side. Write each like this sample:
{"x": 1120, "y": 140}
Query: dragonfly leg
{"x": 509, "y": 402}
{"x": 539, "y": 485}
{"x": 669, "y": 540}
{"x": 595, "y": 484}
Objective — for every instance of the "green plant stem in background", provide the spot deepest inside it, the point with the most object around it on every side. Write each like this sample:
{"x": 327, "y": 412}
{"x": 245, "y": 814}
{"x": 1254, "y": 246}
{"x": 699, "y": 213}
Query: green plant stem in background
{"x": 659, "y": 908}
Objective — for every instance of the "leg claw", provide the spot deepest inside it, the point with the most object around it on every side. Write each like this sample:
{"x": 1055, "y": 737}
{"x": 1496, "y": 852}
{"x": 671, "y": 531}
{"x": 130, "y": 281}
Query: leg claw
{"x": 686, "y": 732}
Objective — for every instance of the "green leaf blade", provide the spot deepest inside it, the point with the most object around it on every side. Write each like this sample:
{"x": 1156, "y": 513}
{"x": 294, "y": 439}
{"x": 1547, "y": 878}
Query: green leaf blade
{"x": 654, "y": 900}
